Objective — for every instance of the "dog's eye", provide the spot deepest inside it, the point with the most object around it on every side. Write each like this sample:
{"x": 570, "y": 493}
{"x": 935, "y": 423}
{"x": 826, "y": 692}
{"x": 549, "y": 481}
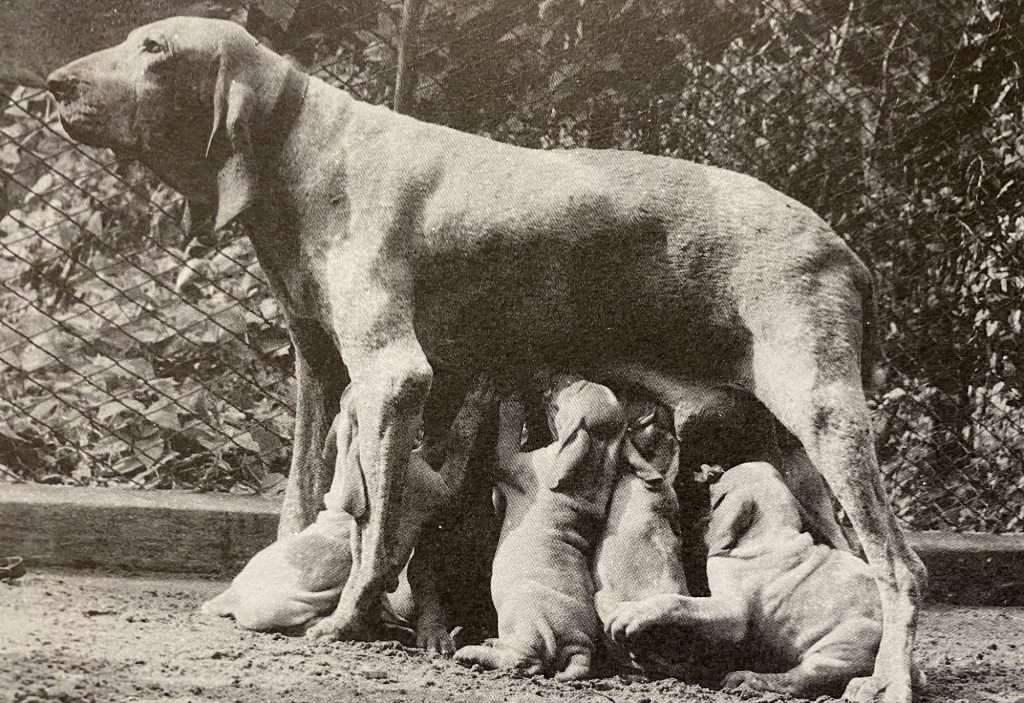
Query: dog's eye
{"x": 152, "y": 46}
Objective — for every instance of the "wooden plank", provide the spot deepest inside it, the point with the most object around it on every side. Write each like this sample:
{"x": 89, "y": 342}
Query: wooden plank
{"x": 205, "y": 533}
{"x": 106, "y": 528}
{"x": 972, "y": 568}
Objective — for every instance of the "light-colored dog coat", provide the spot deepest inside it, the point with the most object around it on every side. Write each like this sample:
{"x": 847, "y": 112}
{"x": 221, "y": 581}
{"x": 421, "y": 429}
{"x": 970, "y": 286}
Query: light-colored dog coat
{"x": 554, "y": 500}
{"x": 638, "y": 554}
{"x": 778, "y": 598}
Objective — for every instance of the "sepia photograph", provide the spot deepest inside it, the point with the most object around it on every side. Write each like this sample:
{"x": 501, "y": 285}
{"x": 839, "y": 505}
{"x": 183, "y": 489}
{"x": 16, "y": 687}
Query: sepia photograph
{"x": 466, "y": 351}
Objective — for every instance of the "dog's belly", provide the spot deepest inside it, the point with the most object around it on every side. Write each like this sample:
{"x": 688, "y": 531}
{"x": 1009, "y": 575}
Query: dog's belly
{"x": 572, "y": 306}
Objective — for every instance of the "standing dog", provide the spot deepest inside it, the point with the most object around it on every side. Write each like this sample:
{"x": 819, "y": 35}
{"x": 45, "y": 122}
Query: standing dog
{"x": 407, "y": 246}
{"x": 554, "y": 501}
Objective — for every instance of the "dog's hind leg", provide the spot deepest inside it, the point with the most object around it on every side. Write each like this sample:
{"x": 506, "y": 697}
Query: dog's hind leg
{"x": 806, "y": 370}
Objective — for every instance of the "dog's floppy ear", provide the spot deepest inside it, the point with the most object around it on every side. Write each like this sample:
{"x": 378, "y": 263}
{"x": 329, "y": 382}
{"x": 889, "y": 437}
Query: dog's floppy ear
{"x": 354, "y": 500}
{"x": 644, "y": 470}
{"x": 731, "y": 518}
{"x": 230, "y": 141}
{"x": 344, "y": 435}
{"x": 573, "y": 448}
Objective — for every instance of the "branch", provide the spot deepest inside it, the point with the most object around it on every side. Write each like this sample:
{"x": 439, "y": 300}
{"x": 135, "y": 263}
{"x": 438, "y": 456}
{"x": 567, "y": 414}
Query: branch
{"x": 405, "y": 80}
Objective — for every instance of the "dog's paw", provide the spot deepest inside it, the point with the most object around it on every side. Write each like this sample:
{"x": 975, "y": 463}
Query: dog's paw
{"x": 752, "y": 681}
{"x": 435, "y": 639}
{"x": 869, "y": 689}
{"x": 632, "y": 618}
{"x": 345, "y": 627}
{"x": 494, "y": 654}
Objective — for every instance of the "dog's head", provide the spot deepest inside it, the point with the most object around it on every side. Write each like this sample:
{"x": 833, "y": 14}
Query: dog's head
{"x": 651, "y": 450}
{"x": 750, "y": 503}
{"x": 582, "y": 416}
{"x": 183, "y": 95}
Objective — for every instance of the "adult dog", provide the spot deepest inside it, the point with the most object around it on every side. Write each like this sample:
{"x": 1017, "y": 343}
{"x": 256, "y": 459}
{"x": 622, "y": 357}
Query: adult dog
{"x": 407, "y": 246}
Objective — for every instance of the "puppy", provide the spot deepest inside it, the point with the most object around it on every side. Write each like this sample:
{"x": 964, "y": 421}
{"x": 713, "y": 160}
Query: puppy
{"x": 775, "y": 594}
{"x": 554, "y": 501}
{"x": 638, "y": 554}
{"x": 299, "y": 578}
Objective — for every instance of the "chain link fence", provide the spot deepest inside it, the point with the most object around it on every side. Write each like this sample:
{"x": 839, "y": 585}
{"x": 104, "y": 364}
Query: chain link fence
{"x": 128, "y": 359}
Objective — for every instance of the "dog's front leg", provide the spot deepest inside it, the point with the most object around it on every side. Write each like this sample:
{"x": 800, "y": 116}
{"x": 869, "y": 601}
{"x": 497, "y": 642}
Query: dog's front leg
{"x": 392, "y": 383}
{"x": 320, "y": 377}
{"x": 719, "y": 619}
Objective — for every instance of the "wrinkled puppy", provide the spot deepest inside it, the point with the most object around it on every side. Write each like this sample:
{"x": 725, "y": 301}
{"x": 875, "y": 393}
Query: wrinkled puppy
{"x": 775, "y": 594}
{"x": 299, "y": 578}
{"x": 554, "y": 501}
{"x": 638, "y": 554}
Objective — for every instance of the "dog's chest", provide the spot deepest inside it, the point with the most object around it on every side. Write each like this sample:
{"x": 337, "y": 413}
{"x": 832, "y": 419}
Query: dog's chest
{"x": 293, "y": 277}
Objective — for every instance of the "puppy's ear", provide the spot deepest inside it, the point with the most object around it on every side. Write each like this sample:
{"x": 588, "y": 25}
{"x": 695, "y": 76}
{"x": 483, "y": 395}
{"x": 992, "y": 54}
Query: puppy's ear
{"x": 354, "y": 500}
{"x": 731, "y": 518}
{"x": 573, "y": 449}
{"x": 644, "y": 470}
{"x": 348, "y": 469}
{"x": 230, "y": 142}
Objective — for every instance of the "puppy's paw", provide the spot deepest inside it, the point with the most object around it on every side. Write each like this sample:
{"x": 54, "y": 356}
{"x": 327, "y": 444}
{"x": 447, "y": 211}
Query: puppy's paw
{"x": 574, "y": 666}
{"x": 221, "y": 606}
{"x": 494, "y": 654}
{"x": 631, "y": 619}
{"x": 869, "y": 689}
{"x": 759, "y": 683}
{"x": 346, "y": 627}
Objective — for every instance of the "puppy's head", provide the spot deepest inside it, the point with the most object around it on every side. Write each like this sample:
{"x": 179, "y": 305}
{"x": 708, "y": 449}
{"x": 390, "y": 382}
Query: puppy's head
{"x": 650, "y": 449}
{"x": 580, "y": 414}
{"x": 182, "y": 95}
{"x": 750, "y": 503}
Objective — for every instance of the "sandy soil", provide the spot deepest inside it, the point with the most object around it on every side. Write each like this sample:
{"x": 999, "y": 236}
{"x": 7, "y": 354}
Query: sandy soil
{"x": 74, "y": 637}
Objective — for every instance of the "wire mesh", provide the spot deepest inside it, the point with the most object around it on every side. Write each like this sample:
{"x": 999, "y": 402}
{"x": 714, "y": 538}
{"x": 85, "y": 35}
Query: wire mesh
{"x": 128, "y": 360}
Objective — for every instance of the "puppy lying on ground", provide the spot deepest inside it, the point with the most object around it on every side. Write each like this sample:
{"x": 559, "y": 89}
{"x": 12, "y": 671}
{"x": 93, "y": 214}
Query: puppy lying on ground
{"x": 554, "y": 501}
{"x": 299, "y": 578}
{"x": 639, "y": 553}
{"x": 775, "y": 595}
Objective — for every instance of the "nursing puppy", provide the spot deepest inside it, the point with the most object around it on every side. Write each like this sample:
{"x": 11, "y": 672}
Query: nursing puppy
{"x": 785, "y": 601}
{"x": 554, "y": 501}
{"x": 638, "y": 554}
{"x": 299, "y": 578}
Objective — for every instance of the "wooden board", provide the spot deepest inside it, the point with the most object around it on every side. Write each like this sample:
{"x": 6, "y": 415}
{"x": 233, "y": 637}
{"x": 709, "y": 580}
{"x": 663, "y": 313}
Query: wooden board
{"x": 106, "y": 528}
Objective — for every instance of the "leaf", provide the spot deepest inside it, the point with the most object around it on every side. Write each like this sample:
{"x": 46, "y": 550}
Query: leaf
{"x": 165, "y": 417}
{"x": 113, "y": 408}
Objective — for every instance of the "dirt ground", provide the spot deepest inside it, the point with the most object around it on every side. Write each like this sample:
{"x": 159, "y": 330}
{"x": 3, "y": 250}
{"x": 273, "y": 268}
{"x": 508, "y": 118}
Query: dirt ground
{"x": 75, "y": 637}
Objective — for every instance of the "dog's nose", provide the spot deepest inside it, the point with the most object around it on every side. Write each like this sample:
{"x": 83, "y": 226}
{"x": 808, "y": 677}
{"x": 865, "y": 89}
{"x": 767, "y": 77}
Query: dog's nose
{"x": 61, "y": 85}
